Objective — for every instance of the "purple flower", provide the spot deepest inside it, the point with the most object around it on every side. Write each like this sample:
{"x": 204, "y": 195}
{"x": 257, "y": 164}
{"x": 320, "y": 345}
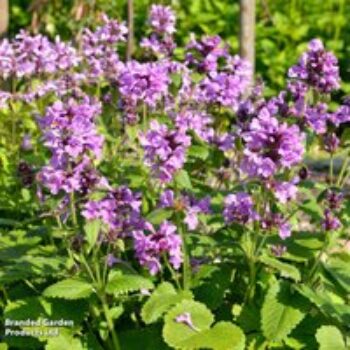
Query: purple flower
{"x": 152, "y": 246}
{"x": 270, "y": 146}
{"x": 204, "y": 54}
{"x": 277, "y": 221}
{"x": 330, "y": 221}
{"x": 111, "y": 260}
{"x": 190, "y": 205}
{"x": 317, "y": 117}
{"x": 186, "y": 319}
{"x": 165, "y": 150}
{"x": 142, "y": 83}
{"x": 318, "y": 68}
{"x": 162, "y": 19}
{"x": 7, "y": 59}
{"x": 334, "y": 200}
{"x": 225, "y": 87}
{"x": 99, "y": 49}
{"x": 196, "y": 121}
{"x": 119, "y": 210}
{"x": 331, "y": 142}
{"x": 239, "y": 207}
{"x": 342, "y": 115}
{"x": 70, "y": 134}
{"x": 278, "y": 249}
{"x": 159, "y": 45}
{"x": 26, "y": 144}
{"x": 284, "y": 191}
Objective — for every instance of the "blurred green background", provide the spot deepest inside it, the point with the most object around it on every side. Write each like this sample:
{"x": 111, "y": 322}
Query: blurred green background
{"x": 282, "y": 31}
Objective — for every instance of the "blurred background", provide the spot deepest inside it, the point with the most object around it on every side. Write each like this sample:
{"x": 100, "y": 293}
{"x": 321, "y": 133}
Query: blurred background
{"x": 283, "y": 27}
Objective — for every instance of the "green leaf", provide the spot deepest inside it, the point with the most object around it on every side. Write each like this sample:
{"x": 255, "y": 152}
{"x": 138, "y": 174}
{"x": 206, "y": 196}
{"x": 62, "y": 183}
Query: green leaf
{"x": 175, "y": 333}
{"x": 199, "y": 151}
{"x": 92, "y": 229}
{"x": 161, "y": 300}
{"x": 183, "y": 181}
{"x": 278, "y": 317}
{"x": 223, "y": 336}
{"x": 69, "y": 289}
{"x": 330, "y": 338}
{"x": 157, "y": 216}
{"x": 63, "y": 341}
{"x": 123, "y": 284}
{"x": 285, "y": 270}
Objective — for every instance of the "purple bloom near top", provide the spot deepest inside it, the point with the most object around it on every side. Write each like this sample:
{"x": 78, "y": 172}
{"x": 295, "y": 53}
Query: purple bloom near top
{"x": 99, "y": 49}
{"x": 165, "y": 150}
{"x": 271, "y": 146}
{"x": 318, "y": 68}
{"x": 70, "y": 134}
{"x": 162, "y": 19}
{"x": 151, "y": 244}
{"x": 142, "y": 83}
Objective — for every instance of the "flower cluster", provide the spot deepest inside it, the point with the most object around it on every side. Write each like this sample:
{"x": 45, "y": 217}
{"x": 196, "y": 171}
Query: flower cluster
{"x": 334, "y": 202}
{"x": 165, "y": 150}
{"x": 190, "y": 205}
{"x": 162, "y": 21}
{"x": 270, "y": 146}
{"x": 119, "y": 210}
{"x": 317, "y": 68}
{"x": 69, "y": 132}
{"x": 98, "y": 48}
{"x": 27, "y": 55}
{"x": 239, "y": 207}
{"x": 142, "y": 83}
{"x": 151, "y": 245}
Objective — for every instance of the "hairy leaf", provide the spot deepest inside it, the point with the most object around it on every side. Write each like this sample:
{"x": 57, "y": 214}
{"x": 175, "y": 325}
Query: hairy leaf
{"x": 69, "y": 289}
{"x": 161, "y": 300}
{"x": 278, "y": 317}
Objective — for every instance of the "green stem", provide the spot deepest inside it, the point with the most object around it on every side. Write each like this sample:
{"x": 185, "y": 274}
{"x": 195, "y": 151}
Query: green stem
{"x": 343, "y": 171}
{"x": 110, "y": 324}
{"x": 331, "y": 169}
{"x": 186, "y": 261}
{"x": 73, "y": 209}
{"x": 316, "y": 264}
{"x": 172, "y": 272}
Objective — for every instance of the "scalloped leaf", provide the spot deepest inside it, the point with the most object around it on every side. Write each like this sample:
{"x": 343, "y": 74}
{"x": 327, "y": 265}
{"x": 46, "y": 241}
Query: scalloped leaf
{"x": 284, "y": 269}
{"x": 64, "y": 341}
{"x": 161, "y": 300}
{"x": 278, "y": 316}
{"x": 330, "y": 338}
{"x": 175, "y": 333}
{"x": 122, "y": 284}
{"x": 69, "y": 289}
{"x": 223, "y": 336}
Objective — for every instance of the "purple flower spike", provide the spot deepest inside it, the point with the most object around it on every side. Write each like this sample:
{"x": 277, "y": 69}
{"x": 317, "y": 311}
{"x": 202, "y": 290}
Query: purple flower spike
{"x": 165, "y": 150}
{"x": 239, "y": 208}
{"x": 271, "y": 146}
{"x": 317, "y": 68}
{"x": 151, "y": 244}
{"x": 330, "y": 221}
{"x": 162, "y": 19}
